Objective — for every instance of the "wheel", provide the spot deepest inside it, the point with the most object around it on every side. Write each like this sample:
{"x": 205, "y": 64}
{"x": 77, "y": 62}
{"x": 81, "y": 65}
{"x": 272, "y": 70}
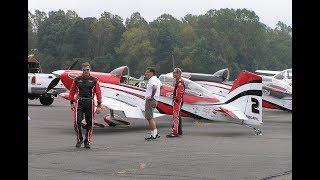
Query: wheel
{"x": 258, "y": 132}
{"x": 32, "y": 96}
{"x": 46, "y": 100}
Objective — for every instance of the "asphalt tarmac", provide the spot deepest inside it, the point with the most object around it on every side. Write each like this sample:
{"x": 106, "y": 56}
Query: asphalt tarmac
{"x": 206, "y": 150}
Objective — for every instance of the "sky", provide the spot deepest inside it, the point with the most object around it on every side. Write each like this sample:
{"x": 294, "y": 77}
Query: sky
{"x": 269, "y": 11}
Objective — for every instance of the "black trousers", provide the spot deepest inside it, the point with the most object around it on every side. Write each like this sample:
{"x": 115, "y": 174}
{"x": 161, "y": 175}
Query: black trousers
{"x": 180, "y": 126}
{"x": 84, "y": 108}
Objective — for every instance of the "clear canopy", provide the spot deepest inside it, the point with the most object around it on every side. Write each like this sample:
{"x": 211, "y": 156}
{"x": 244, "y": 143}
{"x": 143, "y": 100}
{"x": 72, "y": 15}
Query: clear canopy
{"x": 190, "y": 86}
{"x": 284, "y": 74}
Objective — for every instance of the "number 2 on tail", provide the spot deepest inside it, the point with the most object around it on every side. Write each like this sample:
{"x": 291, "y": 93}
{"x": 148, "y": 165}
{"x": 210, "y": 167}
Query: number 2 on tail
{"x": 255, "y": 105}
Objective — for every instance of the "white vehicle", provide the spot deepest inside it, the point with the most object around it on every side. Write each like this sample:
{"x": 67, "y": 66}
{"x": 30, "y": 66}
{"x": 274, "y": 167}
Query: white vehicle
{"x": 38, "y": 83}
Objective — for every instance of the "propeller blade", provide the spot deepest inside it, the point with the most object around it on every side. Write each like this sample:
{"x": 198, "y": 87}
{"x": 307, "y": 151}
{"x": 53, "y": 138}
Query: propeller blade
{"x": 53, "y": 83}
{"x": 73, "y": 65}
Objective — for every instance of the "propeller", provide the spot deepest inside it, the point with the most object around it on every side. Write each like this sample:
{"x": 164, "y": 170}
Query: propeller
{"x": 55, "y": 81}
{"x": 73, "y": 65}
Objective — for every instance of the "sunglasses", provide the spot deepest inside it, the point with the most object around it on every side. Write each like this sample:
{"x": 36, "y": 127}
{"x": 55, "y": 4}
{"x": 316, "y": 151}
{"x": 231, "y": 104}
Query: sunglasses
{"x": 85, "y": 69}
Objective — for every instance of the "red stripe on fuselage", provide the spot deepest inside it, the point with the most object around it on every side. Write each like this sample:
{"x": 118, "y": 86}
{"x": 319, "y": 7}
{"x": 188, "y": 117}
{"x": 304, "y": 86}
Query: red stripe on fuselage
{"x": 167, "y": 109}
{"x": 187, "y": 97}
{"x": 277, "y": 88}
{"x": 267, "y": 104}
{"x": 137, "y": 95}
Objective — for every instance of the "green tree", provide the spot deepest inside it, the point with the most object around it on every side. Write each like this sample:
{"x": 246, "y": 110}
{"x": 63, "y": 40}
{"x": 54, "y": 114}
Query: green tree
{"x": 136, "y": 21}
{"x": 136, "y": 50}
{"x": 224, "y": 38}
{"x": 31, "y": 34}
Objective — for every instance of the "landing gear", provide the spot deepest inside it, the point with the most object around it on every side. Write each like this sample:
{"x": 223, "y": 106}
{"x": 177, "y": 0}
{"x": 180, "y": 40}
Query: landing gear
{"x": 84, "y": 125}
{"x": 257, "y": 131}
{"x": 46, "y": 100}
{"x": 99, "y": 125}
{"x": 109, "y": 119}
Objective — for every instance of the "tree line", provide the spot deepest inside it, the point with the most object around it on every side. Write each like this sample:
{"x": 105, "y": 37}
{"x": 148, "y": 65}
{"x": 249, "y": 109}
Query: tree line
{"x": 224, "y": 38}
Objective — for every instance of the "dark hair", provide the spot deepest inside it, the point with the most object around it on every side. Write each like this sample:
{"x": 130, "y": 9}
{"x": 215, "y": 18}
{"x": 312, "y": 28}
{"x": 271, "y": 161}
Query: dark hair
{"x": 151, "y": 70}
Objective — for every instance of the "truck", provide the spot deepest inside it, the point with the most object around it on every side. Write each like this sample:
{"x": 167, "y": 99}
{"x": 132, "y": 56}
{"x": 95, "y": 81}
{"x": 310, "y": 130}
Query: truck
{"x": 38, "y": 83}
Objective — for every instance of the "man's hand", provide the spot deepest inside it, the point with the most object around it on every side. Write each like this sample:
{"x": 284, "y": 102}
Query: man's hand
{"x": 98, "y": 110}
{"x": 72, "y": 107}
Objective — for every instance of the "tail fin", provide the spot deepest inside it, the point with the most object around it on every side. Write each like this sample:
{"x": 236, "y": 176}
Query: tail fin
{"x": 246, "y": 95}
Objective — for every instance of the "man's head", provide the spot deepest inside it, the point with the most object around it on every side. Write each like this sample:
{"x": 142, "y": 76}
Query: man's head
{"x": 149, "y": 72}
{"x": 177, "y": 73}
{"x": 86, "y": 69}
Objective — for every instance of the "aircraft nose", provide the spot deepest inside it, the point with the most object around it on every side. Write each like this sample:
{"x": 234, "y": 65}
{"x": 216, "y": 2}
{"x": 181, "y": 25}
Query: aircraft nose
{"x": 58, "y": 72}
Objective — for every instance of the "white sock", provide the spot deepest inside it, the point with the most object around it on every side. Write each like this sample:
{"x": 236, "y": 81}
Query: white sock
{"x": 154, "y": 132}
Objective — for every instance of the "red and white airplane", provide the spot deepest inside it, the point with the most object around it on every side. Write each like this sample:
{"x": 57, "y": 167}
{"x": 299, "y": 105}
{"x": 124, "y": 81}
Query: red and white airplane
{"x": 276, "y": 89}
{"x": 242, "y": 105}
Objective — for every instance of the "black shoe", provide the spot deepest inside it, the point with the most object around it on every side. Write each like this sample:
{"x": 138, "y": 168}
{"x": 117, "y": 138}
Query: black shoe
{"x": 78, "y": 145}
{"x": 172, "y": 135}
{"x": 152, "y": 138}
{"x": 157, "y": 136}
{"x": 180, "y": 133}
{"x": 87, "y": 145}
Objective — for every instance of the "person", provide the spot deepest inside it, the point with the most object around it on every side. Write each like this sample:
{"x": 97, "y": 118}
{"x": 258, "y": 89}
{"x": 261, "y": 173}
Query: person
{"x": 152, "y": 92}
{"x": 84, "y": 87}
{"x": 176, "y": 129}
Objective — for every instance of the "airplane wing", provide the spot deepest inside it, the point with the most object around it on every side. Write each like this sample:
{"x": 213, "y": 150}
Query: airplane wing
{"x": 128, "y": 110}
{"x": 267, "y": 72}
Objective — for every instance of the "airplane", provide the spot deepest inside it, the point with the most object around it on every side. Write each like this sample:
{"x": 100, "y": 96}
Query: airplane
{"x": 276, "y": 89}
{"x": 242, "y": 105}
{"x": 285, "y": 75}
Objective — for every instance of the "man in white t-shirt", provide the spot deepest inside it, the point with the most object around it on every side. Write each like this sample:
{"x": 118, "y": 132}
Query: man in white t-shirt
{"x": 152, "y": 92}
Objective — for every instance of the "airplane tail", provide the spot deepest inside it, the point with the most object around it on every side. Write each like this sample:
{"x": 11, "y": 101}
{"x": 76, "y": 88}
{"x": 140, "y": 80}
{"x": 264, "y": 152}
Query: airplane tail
{"x": 246, "y": 95}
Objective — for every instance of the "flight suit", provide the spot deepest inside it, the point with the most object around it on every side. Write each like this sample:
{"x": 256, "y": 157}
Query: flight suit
{"x": 84, "y": 88}
{"x": 177, "y": 104}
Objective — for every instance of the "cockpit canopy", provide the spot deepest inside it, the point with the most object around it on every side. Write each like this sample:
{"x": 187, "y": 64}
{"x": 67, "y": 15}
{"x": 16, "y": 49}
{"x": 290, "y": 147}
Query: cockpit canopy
{"x": 191, "y": 87}
{"x": 289, "y": 73}
{"x": 286, "y": 74}
{"x": 223, "y": 74}
{"x": 121, "y": 72}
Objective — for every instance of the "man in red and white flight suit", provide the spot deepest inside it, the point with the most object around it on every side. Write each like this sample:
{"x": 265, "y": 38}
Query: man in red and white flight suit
{"x": 84, "y": 87}
{"x": 178, "y": 92}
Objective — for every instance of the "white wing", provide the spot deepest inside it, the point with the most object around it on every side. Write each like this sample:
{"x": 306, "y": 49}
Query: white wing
{"x": 129, "y": 111}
